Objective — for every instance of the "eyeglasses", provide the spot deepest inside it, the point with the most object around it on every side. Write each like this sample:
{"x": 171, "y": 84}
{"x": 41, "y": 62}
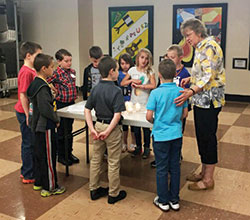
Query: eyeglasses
{"x": 188, "y": 34}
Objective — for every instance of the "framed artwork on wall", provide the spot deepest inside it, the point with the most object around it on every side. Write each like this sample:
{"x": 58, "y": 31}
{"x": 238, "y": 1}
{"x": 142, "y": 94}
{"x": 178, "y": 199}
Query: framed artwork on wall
{"x": 214, "y": 17}
{"x": 239, "y": 63}
{"x": 130, "y": 28}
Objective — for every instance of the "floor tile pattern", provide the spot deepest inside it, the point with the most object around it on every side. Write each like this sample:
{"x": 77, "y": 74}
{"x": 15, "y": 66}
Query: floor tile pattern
{"x": 230, "y": 198}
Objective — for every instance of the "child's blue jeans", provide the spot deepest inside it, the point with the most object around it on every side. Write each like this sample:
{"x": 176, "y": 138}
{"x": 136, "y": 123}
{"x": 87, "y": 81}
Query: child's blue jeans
{"x": 167, "y": 158}
{"x": 26, "y": 147}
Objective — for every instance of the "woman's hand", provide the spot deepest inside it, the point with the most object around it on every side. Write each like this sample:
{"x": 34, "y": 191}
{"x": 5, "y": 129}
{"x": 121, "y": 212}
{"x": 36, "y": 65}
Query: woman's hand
{"x": 183, "y": 97}
{"x": 185, "y": 81}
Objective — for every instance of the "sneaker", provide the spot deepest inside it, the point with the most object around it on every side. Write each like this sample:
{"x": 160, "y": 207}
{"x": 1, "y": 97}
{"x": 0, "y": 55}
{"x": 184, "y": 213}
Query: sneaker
{"x": 74, "y": 159}
{"x": 162, "y": 206}
{"x": 153, "y": 164}
{"x": 28, "y": 181}
{"x": 113, "y": 199}
{"x": 146, "y": 153}
{"x": 175, "y": 206}
{"x": 137, "y": 151}
{"x": 131, "y": 148}
{"x": 63, "y": 161}
{"x": 45, "y": 193}
{"x": 37, "y": 188}
{"x": 98, "y": 193}
{"x": 59, "y": 190}
{"x": 124, "y": 148}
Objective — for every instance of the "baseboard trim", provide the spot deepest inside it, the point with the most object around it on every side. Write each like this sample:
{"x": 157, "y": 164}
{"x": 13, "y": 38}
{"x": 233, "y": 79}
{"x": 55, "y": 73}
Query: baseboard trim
{"x": 237, "y": 98}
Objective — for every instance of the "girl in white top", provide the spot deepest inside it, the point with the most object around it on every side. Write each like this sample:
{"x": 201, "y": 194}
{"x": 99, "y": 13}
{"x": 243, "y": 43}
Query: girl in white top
{"x": 142, "y": 79}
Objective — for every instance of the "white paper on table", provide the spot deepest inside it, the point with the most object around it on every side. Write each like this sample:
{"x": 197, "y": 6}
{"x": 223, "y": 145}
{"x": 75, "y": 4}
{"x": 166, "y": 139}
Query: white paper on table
{"x": 75, "y": 108}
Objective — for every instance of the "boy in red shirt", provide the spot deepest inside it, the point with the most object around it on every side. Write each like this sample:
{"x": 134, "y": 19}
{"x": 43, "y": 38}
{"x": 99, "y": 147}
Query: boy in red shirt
{"x": 26, "y": 75}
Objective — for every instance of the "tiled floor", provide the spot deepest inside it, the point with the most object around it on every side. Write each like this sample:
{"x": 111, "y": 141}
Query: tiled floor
{"x": 229, "y": 200}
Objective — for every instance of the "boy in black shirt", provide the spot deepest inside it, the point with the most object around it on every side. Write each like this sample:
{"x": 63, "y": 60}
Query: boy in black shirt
{"x": 107, "y": 100}
{"x": 44, "y": 123}
{"x": 91, "y": 75}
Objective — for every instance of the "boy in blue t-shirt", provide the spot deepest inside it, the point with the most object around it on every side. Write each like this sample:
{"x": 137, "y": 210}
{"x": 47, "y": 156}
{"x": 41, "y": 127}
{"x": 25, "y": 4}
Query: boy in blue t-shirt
{"x": 175, "y": 53}
{"x": 167, "y": 136}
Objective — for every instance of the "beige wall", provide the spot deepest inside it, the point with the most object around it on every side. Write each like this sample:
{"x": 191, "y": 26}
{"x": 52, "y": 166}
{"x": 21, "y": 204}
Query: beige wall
{"x": 78, "y": 24}
{"x": 85, "y": 10}
{"x": 54, "y": 25}
{"x": 237, "y": 42}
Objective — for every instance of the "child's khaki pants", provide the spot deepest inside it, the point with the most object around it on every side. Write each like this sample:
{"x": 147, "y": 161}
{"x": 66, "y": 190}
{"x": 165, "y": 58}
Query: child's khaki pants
{"x": 113, "y": 143}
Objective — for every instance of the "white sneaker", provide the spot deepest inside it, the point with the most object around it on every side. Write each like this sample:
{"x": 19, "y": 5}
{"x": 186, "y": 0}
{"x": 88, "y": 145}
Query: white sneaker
{"x": 132, "y": 147}
{"x": 175, "y": 206}
{"x": 124, "y": 148}
{"x": 161, "y": 206}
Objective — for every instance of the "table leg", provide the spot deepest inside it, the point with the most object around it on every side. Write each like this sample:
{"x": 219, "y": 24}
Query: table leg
{"x": 66, "y": 150}
{"x": 87, "y": 143}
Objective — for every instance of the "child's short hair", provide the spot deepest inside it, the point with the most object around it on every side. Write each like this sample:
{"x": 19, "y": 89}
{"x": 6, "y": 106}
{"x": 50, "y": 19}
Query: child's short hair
{"x": 61, "y": 53}
{"x": 167, "y": 69}
{"x": 105, "y": 65}
{"x": 127, "y": 58}
{"x": 29, "y": 47}
{"x": 95, "y": 52}
{"x": 177, "y": 48}
{"x": 42, "y": 60}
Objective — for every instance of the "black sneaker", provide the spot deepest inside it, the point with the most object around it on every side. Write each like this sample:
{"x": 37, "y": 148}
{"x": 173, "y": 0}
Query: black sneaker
{"x": 146, "y": 153}
{"x": 98, "y": 193}
{"x": 153, "y": 164}
{"x": 63, "y": 161}
{"x": 137, "y": 151}
{"x": 74, "y": 159}
{"x": 122, "y": 195}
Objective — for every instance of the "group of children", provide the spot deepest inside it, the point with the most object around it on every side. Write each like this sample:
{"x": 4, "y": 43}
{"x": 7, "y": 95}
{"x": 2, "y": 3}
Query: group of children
{"x": 43, "y": 136}
{"x": 138, "y": 85}
{"x": 41, "y": 91}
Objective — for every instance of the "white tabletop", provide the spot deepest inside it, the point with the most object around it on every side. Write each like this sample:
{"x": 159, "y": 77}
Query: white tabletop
{"x": 76, "y": 111}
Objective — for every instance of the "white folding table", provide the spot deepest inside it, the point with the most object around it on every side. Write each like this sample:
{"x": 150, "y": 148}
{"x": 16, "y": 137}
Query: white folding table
{"x": 76, "y": 111}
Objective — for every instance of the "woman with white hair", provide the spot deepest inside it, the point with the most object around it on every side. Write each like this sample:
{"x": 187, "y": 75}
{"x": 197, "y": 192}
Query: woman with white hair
{"x": 207, "y": 85}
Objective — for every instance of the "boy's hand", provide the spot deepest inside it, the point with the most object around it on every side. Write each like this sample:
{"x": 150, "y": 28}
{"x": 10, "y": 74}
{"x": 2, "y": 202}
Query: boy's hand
{"x": 54, "y": 90}
{"x": 27, "y": 120}
{"x": 103, "y": 135}
{"x": 57, "y": 124}
{"x": 94, "y": 134}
